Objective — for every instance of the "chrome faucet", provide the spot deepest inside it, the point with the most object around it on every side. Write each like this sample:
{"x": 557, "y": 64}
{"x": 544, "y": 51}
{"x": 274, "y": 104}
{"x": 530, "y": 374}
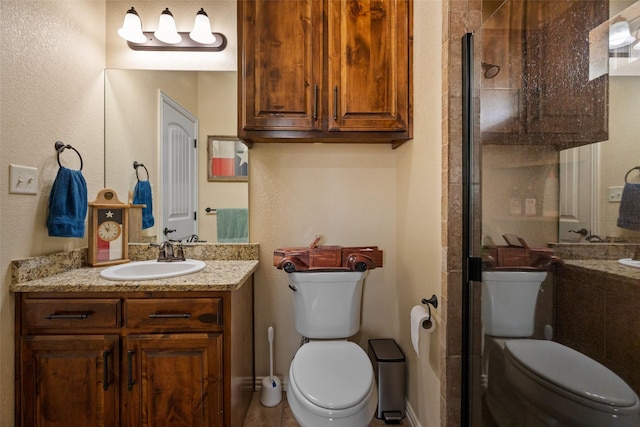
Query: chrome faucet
{"x": 166, "y": 252}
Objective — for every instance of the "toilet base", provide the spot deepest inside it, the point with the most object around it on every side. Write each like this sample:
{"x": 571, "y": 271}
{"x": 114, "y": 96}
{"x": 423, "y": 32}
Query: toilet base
{"x": 308, "y": 419}
{"x": 501, "y": 397}
{"x": 515, "y": 406}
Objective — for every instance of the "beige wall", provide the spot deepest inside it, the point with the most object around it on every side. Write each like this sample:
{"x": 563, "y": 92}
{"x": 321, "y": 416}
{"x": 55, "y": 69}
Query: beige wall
{"x": 620, "y": 153}
{"x": 350, "y": 194}
{"x": 419, "y": 207}
{"x": 51, "y": 89}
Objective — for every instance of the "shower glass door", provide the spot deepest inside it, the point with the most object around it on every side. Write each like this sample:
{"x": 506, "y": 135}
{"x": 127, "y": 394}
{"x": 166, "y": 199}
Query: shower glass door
{"x": 535, "y": 103}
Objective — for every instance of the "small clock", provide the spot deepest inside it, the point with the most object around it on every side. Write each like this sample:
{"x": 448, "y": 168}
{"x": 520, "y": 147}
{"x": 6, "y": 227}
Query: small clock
{"x": 108, "y": 229}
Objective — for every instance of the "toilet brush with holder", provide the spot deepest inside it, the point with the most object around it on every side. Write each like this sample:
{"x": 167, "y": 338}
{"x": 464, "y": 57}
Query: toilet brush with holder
{"x": 271, "y": 386}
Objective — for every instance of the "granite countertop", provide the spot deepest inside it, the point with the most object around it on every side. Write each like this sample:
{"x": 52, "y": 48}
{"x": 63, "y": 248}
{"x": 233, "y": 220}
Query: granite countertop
{"x": 605, "y": 266}
{"x": 216, "y": 276}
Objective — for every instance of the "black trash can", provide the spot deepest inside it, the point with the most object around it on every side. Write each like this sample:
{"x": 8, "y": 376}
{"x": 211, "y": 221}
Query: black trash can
{"x": 389, "y": 368}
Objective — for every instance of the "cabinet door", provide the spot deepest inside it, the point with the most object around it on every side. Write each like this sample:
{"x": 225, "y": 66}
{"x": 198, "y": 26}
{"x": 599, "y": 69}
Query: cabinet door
{"x": 281, "y": 65}
{"x": 173, "y": 380}
{"x": 563, "y": 101}
{"x": 69, "y": 381}
{"x": 369, "y": 51}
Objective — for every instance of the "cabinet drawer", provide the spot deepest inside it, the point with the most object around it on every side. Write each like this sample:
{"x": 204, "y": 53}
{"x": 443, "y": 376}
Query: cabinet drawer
{"x": 196, "y": 313}
{"x": 71, "y": 313}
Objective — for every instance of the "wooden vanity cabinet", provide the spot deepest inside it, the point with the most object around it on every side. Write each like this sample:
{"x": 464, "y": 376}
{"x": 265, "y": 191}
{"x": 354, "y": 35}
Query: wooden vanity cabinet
{"x": 134, "y": 359}
{"x": 325, "y": 71}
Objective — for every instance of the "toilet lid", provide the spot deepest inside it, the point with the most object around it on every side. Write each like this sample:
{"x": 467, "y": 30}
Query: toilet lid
{"x": 571, "y": 371}
{"x": 332, "y": 374}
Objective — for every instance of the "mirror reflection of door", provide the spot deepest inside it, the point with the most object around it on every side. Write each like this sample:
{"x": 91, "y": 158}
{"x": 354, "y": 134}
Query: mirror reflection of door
{"x": 179, "y": 170}
{"x": 579, "y": 175}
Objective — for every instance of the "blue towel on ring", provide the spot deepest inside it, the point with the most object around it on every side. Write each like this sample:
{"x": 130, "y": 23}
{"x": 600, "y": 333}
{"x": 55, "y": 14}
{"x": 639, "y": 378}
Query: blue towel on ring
{"x": 67, "y": 204}
{"x": 629, "y": 213}
{"x": 142, "y": 196}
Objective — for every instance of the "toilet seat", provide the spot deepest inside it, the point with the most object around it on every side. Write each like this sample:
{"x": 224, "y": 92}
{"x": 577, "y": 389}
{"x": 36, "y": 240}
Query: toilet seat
{"x": 570, "y": 374}
{"x": 332, "y": 375}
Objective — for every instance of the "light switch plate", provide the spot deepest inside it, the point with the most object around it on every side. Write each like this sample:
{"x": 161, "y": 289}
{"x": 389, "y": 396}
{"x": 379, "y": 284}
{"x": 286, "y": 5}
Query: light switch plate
{"x": 615, "y": 194}
{"x": 23, "y": 180}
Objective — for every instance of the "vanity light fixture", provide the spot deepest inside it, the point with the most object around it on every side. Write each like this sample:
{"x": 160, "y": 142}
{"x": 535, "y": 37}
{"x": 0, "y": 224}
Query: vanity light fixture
{"x": 202, "y": 29}
{"x": 167, "y": 32}
{"x": 132, "y": 27}
{"x": 167, "y": 38}
{"x": 620, "y": 34}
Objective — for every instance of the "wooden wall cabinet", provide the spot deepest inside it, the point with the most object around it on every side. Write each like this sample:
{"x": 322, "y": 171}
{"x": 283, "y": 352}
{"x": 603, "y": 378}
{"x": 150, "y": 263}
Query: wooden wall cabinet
{"x": 325, "y": 71}
{"x": 544, "y": 93}
{"x": 135, "y": 359}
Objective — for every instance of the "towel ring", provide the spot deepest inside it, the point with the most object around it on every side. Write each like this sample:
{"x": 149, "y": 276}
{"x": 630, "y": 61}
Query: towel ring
{"x": 137, "y": 165}
{"x": 60, "y": 146}
{"x": 630, "y": 170}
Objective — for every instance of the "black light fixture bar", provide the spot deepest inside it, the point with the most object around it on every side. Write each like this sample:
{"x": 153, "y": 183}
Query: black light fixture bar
{"x": 186, "y": 45}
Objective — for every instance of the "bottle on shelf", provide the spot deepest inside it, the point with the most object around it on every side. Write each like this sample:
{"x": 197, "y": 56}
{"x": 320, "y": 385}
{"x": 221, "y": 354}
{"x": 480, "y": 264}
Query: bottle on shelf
{"x": 530, "y": 203}
{"x": 515, "y": 203}
{"x": 550, "y": 200}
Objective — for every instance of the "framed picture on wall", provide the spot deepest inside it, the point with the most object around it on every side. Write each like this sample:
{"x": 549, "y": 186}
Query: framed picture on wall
{"x": 228, "y": 159}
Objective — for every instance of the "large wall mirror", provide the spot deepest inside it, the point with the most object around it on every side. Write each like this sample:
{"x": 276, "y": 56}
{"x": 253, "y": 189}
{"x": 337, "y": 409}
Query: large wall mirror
{"x": 135, "y": 108}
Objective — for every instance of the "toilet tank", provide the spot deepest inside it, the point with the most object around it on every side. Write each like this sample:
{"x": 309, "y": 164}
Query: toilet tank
{"x": 509, "y": 302}
{"x": 326, "y": 305}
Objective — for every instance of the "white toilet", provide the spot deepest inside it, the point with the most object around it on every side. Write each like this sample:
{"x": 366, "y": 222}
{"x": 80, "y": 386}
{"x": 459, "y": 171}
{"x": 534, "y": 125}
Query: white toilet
{"x": 538, "y": 382}
{"x": 331, "y": 380}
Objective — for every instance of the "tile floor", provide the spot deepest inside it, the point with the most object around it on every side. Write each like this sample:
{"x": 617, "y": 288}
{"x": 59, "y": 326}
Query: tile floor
{"x": 281, "y": 416}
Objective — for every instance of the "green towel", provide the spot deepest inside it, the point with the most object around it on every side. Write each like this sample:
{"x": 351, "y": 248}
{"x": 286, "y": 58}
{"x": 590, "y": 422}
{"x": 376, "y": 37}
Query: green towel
{"x": 233, "y": 225}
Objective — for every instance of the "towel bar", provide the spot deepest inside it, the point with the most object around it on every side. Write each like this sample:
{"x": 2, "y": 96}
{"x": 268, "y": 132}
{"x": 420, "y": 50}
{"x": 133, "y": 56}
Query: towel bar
{"x": 60, "y": 146}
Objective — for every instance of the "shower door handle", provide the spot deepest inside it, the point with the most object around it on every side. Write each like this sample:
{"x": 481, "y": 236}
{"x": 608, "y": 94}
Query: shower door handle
{"x": 474, "y": 269}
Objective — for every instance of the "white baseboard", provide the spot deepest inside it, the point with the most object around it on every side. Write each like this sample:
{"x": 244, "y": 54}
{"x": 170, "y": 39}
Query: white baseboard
{"x": 411, "y": 415}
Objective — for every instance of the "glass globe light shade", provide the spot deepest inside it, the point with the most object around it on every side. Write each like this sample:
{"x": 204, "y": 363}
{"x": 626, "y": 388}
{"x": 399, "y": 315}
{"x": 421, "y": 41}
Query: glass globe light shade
{"x": 202, "y": 29}
{"x": 132, "y": 27}
{"x": 166, "y": 31}
{"x": 620, "y": 35}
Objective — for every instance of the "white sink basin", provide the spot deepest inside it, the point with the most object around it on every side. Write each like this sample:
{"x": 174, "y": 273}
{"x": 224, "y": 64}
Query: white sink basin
{"x": 629, "y": 262}
{"x": 147, "y": 270}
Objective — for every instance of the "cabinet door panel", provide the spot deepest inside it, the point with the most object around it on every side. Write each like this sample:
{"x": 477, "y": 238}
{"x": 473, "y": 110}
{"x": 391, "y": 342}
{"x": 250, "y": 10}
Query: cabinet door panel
{"x": 174, "y": 380}
{"x": 63, "y": 381}
{"x": 369, "y": 65}
{"x": 281, "y": 65}
{"x": 561, "y": 97}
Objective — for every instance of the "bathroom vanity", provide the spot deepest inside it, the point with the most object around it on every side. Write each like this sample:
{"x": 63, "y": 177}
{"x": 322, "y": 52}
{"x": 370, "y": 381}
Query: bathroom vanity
{"x": 174, "y": 351}
{"x": 596, "y": 306}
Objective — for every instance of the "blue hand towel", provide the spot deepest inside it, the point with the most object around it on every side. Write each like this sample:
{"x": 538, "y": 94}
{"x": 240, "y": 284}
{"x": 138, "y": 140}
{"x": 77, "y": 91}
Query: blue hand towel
{"x": 233, "y": 225}
{"x": 142, "y": 196}
{"x": 67, "y": 204}
{"x": 629, "y": 214}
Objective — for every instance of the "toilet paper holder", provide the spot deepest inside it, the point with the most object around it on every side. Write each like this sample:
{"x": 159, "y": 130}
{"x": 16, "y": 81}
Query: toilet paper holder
{"x": 433, "y": 301}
